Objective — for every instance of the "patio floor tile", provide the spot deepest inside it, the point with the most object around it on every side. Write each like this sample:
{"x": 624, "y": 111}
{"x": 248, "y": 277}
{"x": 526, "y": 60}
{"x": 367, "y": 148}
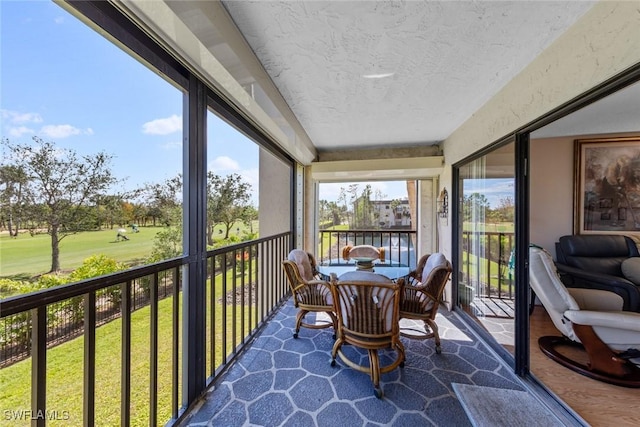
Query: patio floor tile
{"x": 282, "y": 381}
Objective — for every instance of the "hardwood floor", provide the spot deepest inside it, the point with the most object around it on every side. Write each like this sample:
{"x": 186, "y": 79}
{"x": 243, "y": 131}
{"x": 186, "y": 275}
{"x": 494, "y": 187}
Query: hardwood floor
{"x": 598, "y": 403}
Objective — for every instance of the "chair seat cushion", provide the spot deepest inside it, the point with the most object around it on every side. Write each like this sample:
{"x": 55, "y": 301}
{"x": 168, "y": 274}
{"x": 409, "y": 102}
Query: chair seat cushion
{"x": 365, "y": 251}
{"x": 631, "y": 269}
{"x": 435, "y": 260}
{"x": 366, "y": 276}
{"x": 301, "y": 258}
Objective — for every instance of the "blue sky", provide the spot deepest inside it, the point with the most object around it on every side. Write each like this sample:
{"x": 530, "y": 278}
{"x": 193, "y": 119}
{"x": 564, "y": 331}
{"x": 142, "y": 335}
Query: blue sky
{"x": 65, "y": 83}
{"x": 494, "y": 189}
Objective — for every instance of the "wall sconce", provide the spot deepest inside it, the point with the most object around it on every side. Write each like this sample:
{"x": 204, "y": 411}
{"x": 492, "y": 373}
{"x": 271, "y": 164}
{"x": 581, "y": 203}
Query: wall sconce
{"x": 443, "y": 204}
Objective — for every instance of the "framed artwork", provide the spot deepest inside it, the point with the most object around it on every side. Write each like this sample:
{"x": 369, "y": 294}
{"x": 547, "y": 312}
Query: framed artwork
{"x": 607, "y": 186}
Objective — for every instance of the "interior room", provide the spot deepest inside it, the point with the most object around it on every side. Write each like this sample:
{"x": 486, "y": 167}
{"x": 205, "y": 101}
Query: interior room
{"x": 553, "y": 166}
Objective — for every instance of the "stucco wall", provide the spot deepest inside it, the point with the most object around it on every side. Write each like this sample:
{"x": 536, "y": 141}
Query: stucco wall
{"x": 603, "y": 43}
{"x": 275, "y": 195}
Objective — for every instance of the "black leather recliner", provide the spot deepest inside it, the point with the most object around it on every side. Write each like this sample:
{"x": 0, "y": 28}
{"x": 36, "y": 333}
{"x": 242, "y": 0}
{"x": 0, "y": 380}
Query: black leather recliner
{"x": 594, "y": 262}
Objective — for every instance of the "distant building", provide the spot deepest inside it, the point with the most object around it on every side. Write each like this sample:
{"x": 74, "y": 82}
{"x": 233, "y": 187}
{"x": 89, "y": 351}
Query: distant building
{"x": 390, "y": 218}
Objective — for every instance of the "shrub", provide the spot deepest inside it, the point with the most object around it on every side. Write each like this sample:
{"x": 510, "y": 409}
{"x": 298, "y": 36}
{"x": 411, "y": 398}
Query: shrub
{"x": 16, "y": 329}
{"x": 9, "y": 287}
{"x": 94, "y": 266}
{"x": 168, "y": 244}
{"x": 100, "y": 265}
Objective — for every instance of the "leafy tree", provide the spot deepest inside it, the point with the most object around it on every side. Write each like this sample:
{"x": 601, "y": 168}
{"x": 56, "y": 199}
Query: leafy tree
{"x": 337, "y": 213}
{"x": 164, "y": 200}
{"x": 331, "y": 213}
{"x": 228, "y": 201}
{"x": 342, "y": 198}
{"x": 353, "y": 196}
{"x": 111, "y": 211}
{"x": 323, "y": 212}
{"x": 505, "y": 212}
{"x": 395, "y": 204}
{"x": 474, "y": 206}
{"x": 168, "y": 243}
{"x": 348, "y": 197}
{"x": 249, "y": 215}
{"x": 64, "y": 184}
{"x": 363, "y": 209}
{"x": 13, "y": 194}
{"x": 139, "y": 213}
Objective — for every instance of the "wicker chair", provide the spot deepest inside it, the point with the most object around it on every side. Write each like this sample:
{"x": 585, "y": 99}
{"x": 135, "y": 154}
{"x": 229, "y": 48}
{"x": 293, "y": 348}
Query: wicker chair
{"x": 367, "y": 308}
{"x": 365, "y": 251}
{"x": 310, "y": 294}
{"x": 421, "y": 296}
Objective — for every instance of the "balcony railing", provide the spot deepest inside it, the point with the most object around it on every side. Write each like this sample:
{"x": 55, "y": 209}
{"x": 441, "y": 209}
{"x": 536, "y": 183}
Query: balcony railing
{"x": 244, "y": 285}
{"x": 399, "y": 245}
{"x": 485, "y": 263}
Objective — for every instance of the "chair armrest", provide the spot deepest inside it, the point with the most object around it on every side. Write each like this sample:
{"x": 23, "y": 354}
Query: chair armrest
{"x": 579, "y": 273}
{"x": 317, "y": 282}
{"x": 577, "y": 278}
{"x": 622, "y": 320}
{"x": 596, "y": 299}
{"x": 313, "y": 283}
{"x": 415, "y": 284}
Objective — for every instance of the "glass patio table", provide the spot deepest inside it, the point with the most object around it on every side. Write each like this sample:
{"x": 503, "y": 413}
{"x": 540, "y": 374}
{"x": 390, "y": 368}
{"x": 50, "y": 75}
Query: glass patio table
{"x": 392, "y": 270}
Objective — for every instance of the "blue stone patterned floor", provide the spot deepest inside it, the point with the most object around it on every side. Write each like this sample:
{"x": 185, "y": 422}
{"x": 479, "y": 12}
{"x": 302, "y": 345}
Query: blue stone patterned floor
{"x": 282, "y": 381}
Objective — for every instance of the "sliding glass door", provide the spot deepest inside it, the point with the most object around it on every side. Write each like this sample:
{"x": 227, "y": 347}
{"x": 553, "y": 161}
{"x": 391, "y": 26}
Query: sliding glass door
{"x": 486, "y": 242}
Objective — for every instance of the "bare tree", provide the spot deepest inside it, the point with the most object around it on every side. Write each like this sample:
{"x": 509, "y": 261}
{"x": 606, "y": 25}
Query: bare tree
{"x": 62, "y": 185}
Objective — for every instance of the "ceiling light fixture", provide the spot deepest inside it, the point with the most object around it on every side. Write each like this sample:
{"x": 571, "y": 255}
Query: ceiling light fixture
{"x": 377, "y": 76}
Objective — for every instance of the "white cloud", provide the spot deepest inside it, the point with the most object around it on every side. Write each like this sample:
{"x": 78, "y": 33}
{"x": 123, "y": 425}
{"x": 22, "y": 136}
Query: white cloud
{"x": 59, "y": 131}
{"x": 88, "y": 131}
{"x": 172, "y": 145}
{"x": 17, "y": 132}
{"x": 59, "y": 20}
{"x": 251, "y": 176}
{"x": 163, "y": 126}
{"x": 18, "y": 118}
{"x": 224, "y": 163}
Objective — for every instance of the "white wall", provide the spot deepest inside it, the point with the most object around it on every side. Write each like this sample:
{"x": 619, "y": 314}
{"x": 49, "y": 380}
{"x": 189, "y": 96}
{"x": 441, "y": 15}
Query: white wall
{"x": 426, "y": 219}
{"x": 551, "y": 191}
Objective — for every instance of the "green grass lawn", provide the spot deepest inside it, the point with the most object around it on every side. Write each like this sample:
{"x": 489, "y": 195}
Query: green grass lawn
{"x": 326, "y": 238}
{"x": 30, "y": 256}
{"x": 27, "y": 256}
{"x": 490, "y": 269}
{"x": 490, "y": 227}
{"x": 65, "y": 373}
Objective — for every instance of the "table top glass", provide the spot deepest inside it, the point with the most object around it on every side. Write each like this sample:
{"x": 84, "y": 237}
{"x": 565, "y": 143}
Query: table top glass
{"x": 391, "y": 270}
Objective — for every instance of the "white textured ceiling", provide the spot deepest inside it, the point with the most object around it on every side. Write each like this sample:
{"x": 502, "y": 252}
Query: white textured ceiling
{"x": 305, "y": 64}
{"x": 447, "y": 58}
